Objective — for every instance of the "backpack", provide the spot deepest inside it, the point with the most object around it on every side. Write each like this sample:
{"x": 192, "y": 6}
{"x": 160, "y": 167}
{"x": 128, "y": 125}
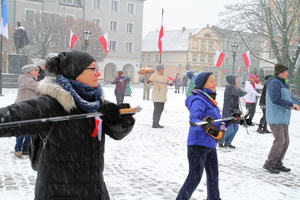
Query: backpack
{"x": 37, "y": 146}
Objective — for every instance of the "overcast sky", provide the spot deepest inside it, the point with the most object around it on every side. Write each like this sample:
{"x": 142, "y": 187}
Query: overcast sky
{"x": 178, "y": 13}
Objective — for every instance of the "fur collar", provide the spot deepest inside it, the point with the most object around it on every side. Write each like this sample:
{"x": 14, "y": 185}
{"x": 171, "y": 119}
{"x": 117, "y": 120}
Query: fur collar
{"x": 49, "y": 87}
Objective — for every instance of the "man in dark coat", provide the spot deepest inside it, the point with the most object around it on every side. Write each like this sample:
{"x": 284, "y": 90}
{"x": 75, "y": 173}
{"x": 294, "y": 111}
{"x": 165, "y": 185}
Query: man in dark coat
{"x": 20, "y": 37}
{"x": 231, "y": 105}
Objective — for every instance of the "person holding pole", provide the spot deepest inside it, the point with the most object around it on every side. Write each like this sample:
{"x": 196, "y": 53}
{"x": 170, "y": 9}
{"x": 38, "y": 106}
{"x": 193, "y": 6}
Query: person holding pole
{"x": 72, "y": 162}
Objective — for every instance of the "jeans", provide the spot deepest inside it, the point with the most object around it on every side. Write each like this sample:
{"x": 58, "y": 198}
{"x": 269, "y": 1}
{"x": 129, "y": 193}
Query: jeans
{"x": 183, "y": 88}
{"x": 22, "y": 143}
{"x": 201, "y": 158}
{"x": 230, "y": 133}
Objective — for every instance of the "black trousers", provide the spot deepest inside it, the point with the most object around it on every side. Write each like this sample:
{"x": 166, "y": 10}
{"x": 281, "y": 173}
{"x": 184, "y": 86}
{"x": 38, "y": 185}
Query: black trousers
{"x": 158, "y": 109}
{"x": 251, "y": 110}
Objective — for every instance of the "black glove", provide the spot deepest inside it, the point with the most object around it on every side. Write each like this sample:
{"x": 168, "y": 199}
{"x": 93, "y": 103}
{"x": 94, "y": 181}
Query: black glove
{"x": 210, "y": 123}
{"x": 110, "y": 112}
{"x": 236, "y": 113}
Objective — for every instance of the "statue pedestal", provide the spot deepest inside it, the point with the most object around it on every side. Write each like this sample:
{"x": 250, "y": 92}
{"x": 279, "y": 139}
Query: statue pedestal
{"x": 16, "y": 62}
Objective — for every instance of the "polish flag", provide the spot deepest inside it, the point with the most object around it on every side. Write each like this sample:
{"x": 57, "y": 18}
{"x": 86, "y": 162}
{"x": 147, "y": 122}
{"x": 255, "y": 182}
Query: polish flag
{"x": 239, "y": 70}
{"x": 246, "y": 57}
{"x": 219, "y": 56}
{"x": 161, "y": 33}
{"x": 104, "y": 41}
{"x": 73, "y": 39}
{"x": 98, "y": 128}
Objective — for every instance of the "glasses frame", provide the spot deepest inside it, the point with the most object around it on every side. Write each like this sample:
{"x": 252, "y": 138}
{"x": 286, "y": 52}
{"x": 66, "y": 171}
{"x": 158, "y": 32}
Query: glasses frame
{"x": 96, "y": 69}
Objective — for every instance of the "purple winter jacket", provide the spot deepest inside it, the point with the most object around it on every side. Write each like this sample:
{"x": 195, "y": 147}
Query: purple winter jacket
{"x": 121, "y": 83}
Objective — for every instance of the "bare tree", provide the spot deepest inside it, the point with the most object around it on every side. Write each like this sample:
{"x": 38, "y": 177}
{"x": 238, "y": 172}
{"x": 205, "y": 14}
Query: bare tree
{"x": 50, "y": 33}
{"x": 275, "y": 21}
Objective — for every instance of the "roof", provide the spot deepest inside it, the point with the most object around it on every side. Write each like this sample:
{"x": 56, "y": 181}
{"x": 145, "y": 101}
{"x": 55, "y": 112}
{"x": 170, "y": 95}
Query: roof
{"x": 173, "y": 40}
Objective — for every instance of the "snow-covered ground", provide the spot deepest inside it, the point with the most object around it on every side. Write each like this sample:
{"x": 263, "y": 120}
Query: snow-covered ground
{"x": 152, "y": 163}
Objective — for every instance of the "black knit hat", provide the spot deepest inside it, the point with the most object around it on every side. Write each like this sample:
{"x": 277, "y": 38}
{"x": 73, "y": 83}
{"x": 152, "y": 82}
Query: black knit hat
{"x": 279, "y": 68}
{"x": 70, "y": 64}
{"x": 202, "y": 79}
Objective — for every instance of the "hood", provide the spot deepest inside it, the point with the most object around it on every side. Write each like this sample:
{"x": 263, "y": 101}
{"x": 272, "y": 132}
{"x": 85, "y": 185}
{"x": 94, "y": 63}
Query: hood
{"x": 231, "y": 79}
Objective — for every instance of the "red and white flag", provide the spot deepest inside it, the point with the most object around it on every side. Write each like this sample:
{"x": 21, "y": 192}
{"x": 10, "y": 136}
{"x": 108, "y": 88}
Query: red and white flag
{"x": 161, "y": 33}
{"x": 104, "y": 41}
{"x": 239, "y": 70}
{"x": 246, "y": 57}
{"x": 73, "y": 39}
{"x": 98, "y": 128}
{"x": 219, "y": 56}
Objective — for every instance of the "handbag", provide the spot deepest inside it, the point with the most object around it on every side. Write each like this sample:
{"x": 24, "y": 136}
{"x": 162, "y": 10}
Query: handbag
{"x": 36, "y": 147}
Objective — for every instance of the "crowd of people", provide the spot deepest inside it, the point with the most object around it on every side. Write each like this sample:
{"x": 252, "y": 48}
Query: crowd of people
{"x": 57, "y": 87}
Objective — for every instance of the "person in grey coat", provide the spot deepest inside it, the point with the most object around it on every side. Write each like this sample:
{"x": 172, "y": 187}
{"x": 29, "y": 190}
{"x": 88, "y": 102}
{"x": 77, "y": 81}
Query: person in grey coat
{"x": 27, "y": 90}
{"x": 231, "y": 105}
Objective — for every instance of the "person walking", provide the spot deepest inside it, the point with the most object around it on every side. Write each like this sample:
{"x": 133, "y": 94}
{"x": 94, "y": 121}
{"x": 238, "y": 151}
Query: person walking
{"x": 279, "y": 102}
{"x": 184, "y": 83}
{"x": 201, "y": 143}
{"x": 177, "y": 83}
{"x": 250, "y": 98}
{"x": 159, "y": 93}
{"x": 263, "y": 127}
{"x": 231, "y": 105}
{"x": 147, "y": 87}
{"x": 121, "y": 83}
{"x": 72, "y": 163}
{"x": 27, "y": 90}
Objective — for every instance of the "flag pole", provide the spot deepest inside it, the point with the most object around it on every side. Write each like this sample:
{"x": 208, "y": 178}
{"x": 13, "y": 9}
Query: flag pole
{"x": 161, "y": 33}
{"x": 1, "y": 56}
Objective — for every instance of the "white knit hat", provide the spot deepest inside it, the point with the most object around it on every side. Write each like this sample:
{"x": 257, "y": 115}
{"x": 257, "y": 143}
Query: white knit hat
{"x": 28, "y": 68}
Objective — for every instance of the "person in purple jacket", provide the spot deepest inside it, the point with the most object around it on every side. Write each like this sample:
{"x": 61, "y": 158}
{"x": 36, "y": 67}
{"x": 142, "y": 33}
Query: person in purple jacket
{"x": 120, "y": 89}
{"x": 202, "y": 140}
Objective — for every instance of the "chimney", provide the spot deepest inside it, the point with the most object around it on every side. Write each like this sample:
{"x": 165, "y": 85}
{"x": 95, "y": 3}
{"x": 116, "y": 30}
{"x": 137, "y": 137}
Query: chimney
{"x": 183, "y": 29}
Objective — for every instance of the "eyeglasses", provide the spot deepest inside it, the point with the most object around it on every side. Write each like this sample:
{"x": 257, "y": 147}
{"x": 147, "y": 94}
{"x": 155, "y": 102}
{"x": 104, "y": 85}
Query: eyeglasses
{"x": 95, "y": 69}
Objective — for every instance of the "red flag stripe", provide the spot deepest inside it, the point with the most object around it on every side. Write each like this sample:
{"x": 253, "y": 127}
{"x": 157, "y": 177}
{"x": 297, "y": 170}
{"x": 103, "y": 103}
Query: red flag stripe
{"x": 104, "y": 41}
{"x": 219, "y": 56}
{"x": 246, "y": 57}
{"x": 73, "y": 39}
{"x": 161, "y": 34}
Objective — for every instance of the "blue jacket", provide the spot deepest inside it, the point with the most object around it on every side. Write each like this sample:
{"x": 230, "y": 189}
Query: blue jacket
{"x": 278, "y": 98}
{"x": 200, "y": 107}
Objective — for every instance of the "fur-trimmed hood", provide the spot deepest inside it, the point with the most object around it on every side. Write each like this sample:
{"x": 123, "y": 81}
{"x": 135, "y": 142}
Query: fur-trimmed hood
{"x": 49, "y": 87}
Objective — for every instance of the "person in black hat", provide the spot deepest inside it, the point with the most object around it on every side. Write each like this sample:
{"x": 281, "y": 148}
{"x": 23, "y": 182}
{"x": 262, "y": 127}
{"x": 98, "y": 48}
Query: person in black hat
{"x": 202, "y": 139}
{"x": 72, "y": 162}
{"x": 42, "y": 73}
{"x": 159, "y": 93}
{"x": 279, "y": 102}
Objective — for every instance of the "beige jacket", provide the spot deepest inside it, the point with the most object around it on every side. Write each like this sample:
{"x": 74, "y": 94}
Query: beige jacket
{"x": 159, "y": 91}
{"x": 27, "y": 88}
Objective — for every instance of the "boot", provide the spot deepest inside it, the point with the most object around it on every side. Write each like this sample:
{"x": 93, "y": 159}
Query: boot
{"x": 260, "y": 130}
{"x": 267, "y": 131}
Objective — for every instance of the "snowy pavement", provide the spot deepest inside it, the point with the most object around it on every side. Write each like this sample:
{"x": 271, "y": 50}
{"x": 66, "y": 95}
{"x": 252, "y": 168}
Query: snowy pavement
{"x": 151, "y": 164}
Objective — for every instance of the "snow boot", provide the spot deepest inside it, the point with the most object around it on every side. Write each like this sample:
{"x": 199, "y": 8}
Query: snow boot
{"x": 283, "y": 169}
{"x": 272, "y": 170}
{"x": 260, "y": 130}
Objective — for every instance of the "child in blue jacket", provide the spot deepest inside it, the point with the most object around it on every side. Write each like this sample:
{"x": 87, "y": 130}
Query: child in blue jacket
{"x": 202, "y": 140}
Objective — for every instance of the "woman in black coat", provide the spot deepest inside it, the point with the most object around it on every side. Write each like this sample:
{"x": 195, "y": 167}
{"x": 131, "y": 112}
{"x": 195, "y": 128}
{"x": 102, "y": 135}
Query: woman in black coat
{"x": 72, "y": 163}
{"x": 231, "y": 106}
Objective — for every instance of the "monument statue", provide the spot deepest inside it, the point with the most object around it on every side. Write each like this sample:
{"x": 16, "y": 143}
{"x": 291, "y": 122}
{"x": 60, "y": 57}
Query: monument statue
{"x": 20, "y": 37}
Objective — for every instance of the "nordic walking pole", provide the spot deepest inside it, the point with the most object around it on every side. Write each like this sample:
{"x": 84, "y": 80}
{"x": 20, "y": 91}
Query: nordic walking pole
{"x": 244, "y": 117}
{"x": 205, "y": 122}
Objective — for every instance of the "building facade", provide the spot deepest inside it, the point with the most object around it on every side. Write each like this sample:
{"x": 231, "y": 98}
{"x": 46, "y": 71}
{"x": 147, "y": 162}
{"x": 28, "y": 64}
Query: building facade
{"x": 183, "y": 49}
{"x": 122, "y": 19}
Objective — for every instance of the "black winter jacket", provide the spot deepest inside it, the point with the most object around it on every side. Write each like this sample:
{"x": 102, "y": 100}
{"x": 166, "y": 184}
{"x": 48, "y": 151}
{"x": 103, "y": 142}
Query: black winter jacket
{"x": 72, "y": 163}
{"x": 231, "y": 96}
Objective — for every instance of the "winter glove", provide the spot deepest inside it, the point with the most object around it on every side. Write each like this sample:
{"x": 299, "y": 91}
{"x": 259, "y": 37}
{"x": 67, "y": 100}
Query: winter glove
{"x": 210, "y": 123}
{"x": 110, "y": 112}
{"x": 236, "y": 113}
{"x": 171, "y": 84}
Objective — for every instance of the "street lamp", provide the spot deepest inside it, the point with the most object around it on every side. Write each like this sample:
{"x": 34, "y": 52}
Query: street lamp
{"x": 86, "y": 35}
{"x": 234, "y": 47}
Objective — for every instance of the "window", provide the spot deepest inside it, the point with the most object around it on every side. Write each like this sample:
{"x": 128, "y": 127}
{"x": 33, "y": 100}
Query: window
{"x": 130, "y": 28}
{"x": 194, "y": 58}
{"x": 130, "y": 8}
{"x": 209, "y": 59}
{"x": 226, "y": 61}
{"x": 29, "y": 12}
{"x": 227, "y": 44}
{"x": 202, "y": 59}
{"x": 113, "y": 26}
{"x": 210, "y": 46}
{"x": 129, "y": 47}
{"x": 149, "y": 58}
{"x": 114, "y": 5}
{"x": 113, "y": 45}
{"x": 97, "y": 21}
{"x": 143, "y": 57}
{"x": 69, "y": 2}
{"x": 97, "y": 4}
{"x": 203, "y": 45}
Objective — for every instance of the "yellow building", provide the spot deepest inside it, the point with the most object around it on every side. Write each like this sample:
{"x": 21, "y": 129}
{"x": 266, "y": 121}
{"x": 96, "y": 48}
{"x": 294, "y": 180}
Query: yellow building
{"x": 183, "y": 49}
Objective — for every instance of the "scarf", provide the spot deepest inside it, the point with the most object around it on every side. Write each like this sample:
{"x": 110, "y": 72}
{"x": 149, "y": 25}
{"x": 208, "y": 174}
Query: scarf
{"x": 253, "y": 85}
{"x": 208, "y": 94}
{"x": 87, "y": 98}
